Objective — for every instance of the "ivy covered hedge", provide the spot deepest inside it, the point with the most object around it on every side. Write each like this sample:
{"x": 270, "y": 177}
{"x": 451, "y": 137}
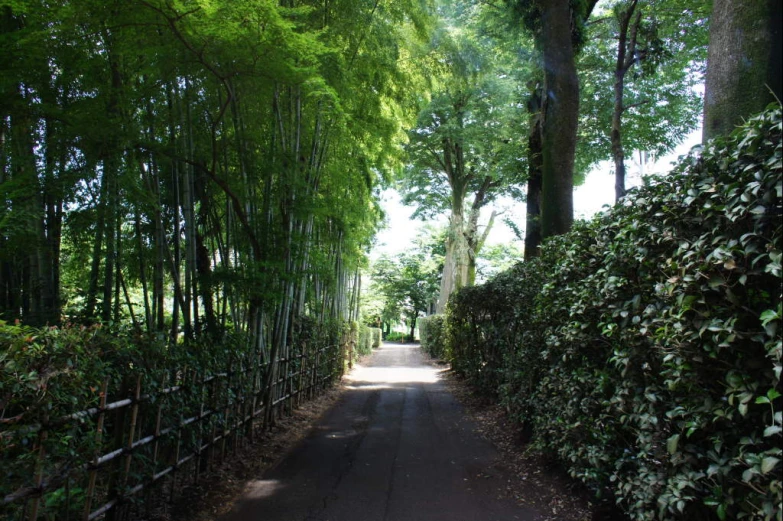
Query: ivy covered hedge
{"x": 643, "y": 349}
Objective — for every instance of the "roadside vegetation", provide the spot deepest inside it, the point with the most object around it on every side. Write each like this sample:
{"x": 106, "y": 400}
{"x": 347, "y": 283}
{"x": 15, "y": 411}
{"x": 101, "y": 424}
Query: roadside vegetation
{"x": 642, "y": 349}
{"x": 189, "y": 194}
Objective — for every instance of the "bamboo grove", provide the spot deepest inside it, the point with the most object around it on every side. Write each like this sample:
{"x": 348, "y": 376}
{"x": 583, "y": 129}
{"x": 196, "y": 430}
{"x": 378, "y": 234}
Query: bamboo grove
{"x": 193, "y": 167}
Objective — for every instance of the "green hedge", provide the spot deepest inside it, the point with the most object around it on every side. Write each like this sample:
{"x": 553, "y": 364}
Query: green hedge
{"x": 48, "y": 374}
{"x": 369, "y": 338}
{"x": 643, "y": 348}
{"x": 396, "y": 336}
{"x": 432, "y": 335}
{"x": 377, "y": 337}
{"x": 364, "y": 342}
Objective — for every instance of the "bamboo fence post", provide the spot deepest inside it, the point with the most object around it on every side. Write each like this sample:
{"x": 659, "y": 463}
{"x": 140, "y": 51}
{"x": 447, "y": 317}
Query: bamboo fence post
{"x": 213, "y": 432}
{"x": 262, "y": 393}
{"x": 242, "y": 407}
{"x": 226, "y": 415}
{"x": 286, "y": 392}
{"x": 156, "y": 442}
{"x": 237, "y": 411}
{"x": 316, "y": 371}
{"x": 281, "y": 386}
{"x": 199, "y": 431}
{"x": 253, "y": 398}
{"x": 97, "y": 451}
{"x": 39, "y": 466}
{"x": 178, "y": 442}
{"x": 300, "y": 384}
{"x": 129, "y": 444}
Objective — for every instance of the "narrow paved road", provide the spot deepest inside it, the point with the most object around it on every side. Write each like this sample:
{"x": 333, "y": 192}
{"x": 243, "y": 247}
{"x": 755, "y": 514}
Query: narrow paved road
{"x": 395, "y": 448}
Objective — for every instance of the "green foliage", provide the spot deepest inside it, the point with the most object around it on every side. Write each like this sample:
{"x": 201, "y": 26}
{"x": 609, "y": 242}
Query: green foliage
{"x": 528, "y": 12}
{"x": 660, "y": 105}
{"x": 396, "y": 336}
{"x": 432, "y": 335}
{"x": 369, "y": 339}
{"x": 47, "y": 375}
{"x": 494, "y": 258}
{"x": 376, "y": 335}
{"x": 364, "y": 341}
{"x": 408, "y": 284}
{"x": 643, "y": 349}
{"x": 233, "y": 147}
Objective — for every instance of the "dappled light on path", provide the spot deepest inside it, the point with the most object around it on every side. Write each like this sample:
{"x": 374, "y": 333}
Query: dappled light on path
{"x": 395, "y": 374}
{"x": 396, "y": 447}
{"x": 262, "y": 488}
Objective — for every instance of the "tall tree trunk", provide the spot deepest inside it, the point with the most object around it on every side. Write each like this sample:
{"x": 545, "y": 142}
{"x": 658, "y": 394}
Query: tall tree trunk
{"x": 743, "y": 63}
{"x": 474, "y": 240}
{"x": 50, "y": 222}
{"x": 626, "y": 57}
{"x": 158, "y": 289}
{"x": 453, "y": 263}
{"x": 476, "y": 243}
{"x": 561, "y": 111}
{"x": 533, "y": 196}
{"x": 143, "y": 271}
{"x": 111, "y": 164}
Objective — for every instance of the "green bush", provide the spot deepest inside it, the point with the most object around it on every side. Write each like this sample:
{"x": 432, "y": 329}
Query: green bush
{"x": 377, "y": 337}
{"x": 643, "y": 348}
{"x": 432, "y": 335}
{"x": 366, "y": 341}
{"x": 396, "y": 336}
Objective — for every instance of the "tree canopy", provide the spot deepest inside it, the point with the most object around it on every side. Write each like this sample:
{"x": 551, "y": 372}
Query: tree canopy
{"x": 223, "y": 155}
{"x": 464, "y": 152}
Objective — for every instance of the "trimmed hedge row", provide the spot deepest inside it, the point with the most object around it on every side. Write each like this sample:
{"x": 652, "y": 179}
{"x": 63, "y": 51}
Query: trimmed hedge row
{"x": 431, "y": 335}
{"x": 369, "y": 338}
{"x": 643, "y": 349}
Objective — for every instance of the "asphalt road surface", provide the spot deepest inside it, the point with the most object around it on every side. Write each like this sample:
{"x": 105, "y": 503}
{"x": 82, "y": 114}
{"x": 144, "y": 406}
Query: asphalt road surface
{"x": 395, "y": 447}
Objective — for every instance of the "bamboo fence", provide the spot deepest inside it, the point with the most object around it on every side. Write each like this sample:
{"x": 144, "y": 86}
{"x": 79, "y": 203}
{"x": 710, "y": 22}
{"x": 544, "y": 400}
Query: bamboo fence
{"x": 149, "y": 442}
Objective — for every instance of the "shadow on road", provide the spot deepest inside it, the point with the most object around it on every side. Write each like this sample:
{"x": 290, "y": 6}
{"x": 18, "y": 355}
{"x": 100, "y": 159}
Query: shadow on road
{"x": 396, "y": 447}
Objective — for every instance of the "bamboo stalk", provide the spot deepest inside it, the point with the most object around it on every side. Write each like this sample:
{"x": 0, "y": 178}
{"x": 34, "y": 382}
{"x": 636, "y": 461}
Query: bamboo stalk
{"x": 155, "y": 444}
{"x": 226, "y": 416}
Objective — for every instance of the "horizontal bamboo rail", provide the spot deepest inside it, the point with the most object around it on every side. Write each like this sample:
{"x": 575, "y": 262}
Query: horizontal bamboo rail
{"x": 144, "y": 437}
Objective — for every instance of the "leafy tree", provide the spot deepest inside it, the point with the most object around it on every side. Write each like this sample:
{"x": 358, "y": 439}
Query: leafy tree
{"x": 497, "y": 258}
{"x": 558, "y": 28}
{"x": 462, "y": 151}
{"x": 649, "y": 54}
{"x": 408, "y": 284}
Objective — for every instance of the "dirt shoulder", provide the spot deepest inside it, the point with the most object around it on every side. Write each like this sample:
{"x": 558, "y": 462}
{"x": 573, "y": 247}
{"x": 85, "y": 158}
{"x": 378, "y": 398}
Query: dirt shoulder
{"x": 537, "y": 481}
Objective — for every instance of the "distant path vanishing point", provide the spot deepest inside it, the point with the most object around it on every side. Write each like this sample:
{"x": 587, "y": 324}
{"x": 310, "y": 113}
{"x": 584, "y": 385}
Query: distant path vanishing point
{"x": 395, "y": 447}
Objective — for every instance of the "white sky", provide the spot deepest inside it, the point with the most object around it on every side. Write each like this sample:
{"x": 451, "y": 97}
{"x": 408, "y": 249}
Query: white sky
{"x": 589, "y": 199}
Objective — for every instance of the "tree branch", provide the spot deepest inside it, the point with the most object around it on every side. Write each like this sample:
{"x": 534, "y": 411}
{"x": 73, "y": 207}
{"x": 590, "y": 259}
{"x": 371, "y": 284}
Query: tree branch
{"x": 632, "y": 105}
